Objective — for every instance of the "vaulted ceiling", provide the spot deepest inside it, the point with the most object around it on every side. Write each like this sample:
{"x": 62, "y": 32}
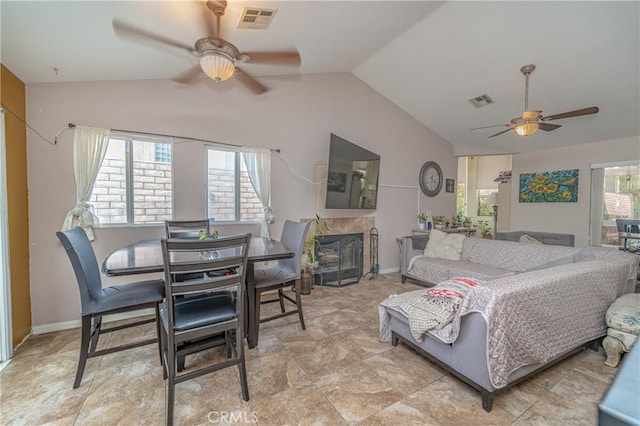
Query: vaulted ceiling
{"x": 429, "y": 58}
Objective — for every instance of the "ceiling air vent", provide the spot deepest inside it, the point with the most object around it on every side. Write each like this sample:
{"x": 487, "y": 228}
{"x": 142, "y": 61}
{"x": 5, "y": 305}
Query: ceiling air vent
{"x": 255, "y": 18}
{"x": 481, "y": 101}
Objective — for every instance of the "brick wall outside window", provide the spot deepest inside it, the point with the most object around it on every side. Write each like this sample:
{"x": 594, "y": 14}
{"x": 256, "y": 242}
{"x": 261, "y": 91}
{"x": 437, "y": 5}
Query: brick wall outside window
{"x": 221, "y": 197}
{"x": 153, "y": 197}
{"x": 152, "y": 192}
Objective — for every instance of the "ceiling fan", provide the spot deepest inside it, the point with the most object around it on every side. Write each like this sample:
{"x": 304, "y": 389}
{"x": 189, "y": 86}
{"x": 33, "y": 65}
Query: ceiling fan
{"x": 219, "y": 59}
{"x": 531, "y": 121}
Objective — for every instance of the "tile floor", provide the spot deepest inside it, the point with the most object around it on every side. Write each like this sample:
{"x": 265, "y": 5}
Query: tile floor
{"x": 334, "y": 373}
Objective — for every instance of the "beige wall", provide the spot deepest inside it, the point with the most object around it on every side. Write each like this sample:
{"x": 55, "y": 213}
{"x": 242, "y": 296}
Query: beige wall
{"x": 572, "y": 218}
{"x": 297, "y": 116}
{"x": 12, "y": 96}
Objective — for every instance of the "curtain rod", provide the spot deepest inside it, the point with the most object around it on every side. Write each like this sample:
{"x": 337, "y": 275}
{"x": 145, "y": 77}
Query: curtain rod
{"x": 72, "y": 125}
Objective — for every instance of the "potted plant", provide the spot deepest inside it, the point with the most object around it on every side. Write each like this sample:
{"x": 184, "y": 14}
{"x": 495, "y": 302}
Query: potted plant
{"x": 438, "y": 221}
{"x": 422, "y": 220}
{"x": 310, "y": 268}
{"x": 466, "y": 221}
{"x": 485, "y": 230}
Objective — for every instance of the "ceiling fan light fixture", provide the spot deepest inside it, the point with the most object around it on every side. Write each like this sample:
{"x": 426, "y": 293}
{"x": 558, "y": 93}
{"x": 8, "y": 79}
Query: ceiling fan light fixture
{"x": 526, "y": 129}
{"x": 217, "y": 66}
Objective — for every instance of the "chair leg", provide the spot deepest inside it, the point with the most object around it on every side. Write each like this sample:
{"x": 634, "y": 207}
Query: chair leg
{"x": 298, "y": 285}
{"x": 165, "y": 354}
{"x": 85, "y": 341}
{"x": 159, "y": 331}
{"x": 281, "y": 299}
{"x": 95, "y": 333}
{"x": 171, "y": 386}
{"x": 242, "y": 370}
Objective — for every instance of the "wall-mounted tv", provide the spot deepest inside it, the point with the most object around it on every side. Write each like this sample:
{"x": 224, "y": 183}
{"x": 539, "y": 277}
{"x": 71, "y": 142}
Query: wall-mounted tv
{"x": 352, "y": 176}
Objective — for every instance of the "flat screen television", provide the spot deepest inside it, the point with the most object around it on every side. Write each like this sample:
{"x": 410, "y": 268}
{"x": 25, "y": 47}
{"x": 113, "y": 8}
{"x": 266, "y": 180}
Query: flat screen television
{"x": 352, "y": 176}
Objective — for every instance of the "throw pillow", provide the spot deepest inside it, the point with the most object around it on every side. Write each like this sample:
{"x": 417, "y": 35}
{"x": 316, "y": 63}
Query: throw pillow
{"x": 444, "y": 246}
{"x": 449, "y": 293}
{"x": 528, "y": 239}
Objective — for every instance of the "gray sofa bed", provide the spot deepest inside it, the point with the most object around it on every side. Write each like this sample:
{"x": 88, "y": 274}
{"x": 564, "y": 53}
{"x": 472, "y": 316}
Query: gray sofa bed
{"x": 531, "y": 308}
{"x": 549, "y": 238}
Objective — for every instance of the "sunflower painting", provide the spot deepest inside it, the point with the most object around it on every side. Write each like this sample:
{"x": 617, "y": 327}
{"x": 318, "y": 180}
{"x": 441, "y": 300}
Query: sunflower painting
{"x": 549, "y": 187}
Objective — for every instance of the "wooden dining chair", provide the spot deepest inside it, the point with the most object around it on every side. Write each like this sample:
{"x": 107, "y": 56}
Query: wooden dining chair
{"x": 96, "y": 301}
{"x": 284, "y": 274}
{"x": 201, "y": 313}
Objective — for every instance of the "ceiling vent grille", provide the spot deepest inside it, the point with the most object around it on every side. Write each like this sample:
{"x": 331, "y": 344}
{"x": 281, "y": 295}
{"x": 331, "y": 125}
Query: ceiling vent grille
{"x": 256, "y": 19}
{"x": 481, "y": 101}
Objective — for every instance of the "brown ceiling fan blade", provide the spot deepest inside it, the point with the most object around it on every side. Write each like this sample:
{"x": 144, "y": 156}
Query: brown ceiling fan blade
{"x": 498, "y": 134}
{"x": 547, "y": 127}
{"x": 189, "y": 75}
{"x": 249, "y": 82}
{"x": 271, "y": 58}
{"x": 576, "y": 113}
{"x": 129, "y": 31}
{"x": 489, "y": 127}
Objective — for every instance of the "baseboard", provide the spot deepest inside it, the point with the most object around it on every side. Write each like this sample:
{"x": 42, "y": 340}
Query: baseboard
{"x": 389, "y": 270}
{"x": 66, "y": 325}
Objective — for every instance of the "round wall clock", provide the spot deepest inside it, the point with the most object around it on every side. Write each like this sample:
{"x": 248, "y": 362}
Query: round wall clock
{"x": 431, "y": 178}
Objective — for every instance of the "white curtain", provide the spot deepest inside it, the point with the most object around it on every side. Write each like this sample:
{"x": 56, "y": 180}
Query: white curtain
{"x": 89, "y": 148}
{"x": 258, "y": 163}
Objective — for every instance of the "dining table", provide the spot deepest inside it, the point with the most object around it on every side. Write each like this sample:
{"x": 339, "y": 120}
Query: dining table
{"x": 143, "y": 257}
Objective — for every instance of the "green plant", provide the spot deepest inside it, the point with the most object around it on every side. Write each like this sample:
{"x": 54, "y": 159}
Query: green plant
{"x": 320, "y": 226}
{"x": 422, "y": 218}
{"x": 438, "y": 219}
{"x": 484, "y": 228}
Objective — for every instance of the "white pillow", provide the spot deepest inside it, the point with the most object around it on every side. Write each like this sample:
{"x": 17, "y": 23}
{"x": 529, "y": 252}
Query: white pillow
{"x": 444, "y": 246}
{"x": 528, "y": 239}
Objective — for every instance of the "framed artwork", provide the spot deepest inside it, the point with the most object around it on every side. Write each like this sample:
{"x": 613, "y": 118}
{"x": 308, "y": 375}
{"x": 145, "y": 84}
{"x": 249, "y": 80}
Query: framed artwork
{"x": 549, "y": 187}
{"x": 450, "y": 185}
{"x": 336, "y": 182}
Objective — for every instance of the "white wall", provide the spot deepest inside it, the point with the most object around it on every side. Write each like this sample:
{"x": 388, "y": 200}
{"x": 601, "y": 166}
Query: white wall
{"x": 297, "y": 116}
{"x": 572, "y": 218}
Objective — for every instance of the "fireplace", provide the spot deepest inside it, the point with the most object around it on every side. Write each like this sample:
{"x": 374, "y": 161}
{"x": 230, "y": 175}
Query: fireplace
{"x": 339, "y": 260}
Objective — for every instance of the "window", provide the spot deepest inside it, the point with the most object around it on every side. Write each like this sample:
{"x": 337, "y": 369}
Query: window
{"x": 134, "y": 184}
{"x": 230, "y": 194}
{"x": 163, "y": 153}
{"x": 616, "y": 195}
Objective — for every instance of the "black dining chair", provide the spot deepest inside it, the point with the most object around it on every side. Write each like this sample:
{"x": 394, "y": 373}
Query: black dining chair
{"x": 97, "y": 301}
{"x": 187, "y": 228}
{"x": 285, "y": 273}
{"x": 201, "y": 313}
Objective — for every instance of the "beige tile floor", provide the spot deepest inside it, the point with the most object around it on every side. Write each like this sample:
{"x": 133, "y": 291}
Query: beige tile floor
{"x": 336, "y": 372}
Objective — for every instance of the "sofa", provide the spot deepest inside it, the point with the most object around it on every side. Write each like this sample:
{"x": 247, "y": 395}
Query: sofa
{"x": 533, "y": 305}
{"x": 549, "y": 238}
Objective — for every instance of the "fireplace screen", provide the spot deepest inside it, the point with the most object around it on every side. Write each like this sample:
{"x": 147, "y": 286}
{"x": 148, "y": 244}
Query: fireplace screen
{"x": 339, "y": 260}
